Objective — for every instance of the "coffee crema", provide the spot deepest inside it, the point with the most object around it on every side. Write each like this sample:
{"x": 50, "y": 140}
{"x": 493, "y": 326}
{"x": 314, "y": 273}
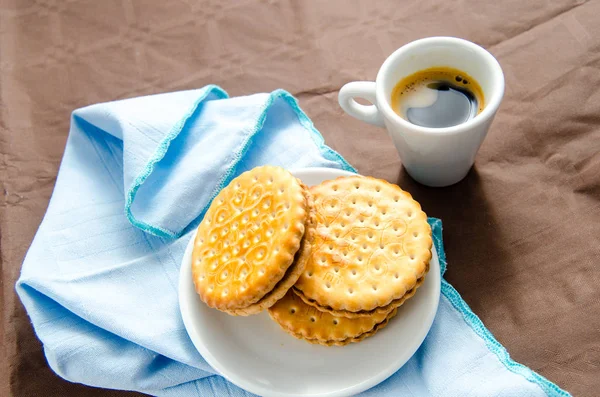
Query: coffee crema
{"x": 437, "y": 97}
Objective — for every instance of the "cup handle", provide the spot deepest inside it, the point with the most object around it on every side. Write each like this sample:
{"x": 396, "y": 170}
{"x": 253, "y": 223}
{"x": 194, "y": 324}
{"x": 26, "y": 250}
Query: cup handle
{"x": 361, "y": 89}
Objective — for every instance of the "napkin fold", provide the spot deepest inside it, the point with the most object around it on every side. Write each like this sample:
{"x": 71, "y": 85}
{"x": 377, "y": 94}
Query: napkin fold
{"x": 99, "y": 281}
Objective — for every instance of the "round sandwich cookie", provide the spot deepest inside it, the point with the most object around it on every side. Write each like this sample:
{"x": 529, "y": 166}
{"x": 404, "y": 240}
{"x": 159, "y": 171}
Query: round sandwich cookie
{"x": 371, "y": 249}
{"x": 306, "y": 322}
{"x": 254, "y": 241}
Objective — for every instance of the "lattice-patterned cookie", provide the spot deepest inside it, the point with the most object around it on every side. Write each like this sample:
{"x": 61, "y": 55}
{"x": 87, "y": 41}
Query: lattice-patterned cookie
{"x": 247, "y": 241}
{"x": 292, "y": 274}
{"x": 305, "y": 322}
{"x": 372, "y": 247}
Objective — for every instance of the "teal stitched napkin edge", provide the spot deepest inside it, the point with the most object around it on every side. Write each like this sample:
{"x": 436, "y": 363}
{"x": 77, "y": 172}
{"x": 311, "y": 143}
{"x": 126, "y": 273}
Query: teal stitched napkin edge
{"x": 163, "y": 146}
{"x": 477, "y": 325}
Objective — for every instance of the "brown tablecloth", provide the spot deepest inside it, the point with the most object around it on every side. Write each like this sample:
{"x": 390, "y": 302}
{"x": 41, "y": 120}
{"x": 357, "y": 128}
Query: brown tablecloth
{"x": 522, "y": 231}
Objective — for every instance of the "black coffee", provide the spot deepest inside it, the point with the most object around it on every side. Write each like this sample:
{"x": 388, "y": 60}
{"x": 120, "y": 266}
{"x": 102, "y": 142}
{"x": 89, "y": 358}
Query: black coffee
{"x": 437, "y": 98}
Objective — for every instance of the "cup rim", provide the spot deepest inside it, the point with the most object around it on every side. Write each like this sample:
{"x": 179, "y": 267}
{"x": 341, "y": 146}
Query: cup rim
{"x": 489, "y": 110}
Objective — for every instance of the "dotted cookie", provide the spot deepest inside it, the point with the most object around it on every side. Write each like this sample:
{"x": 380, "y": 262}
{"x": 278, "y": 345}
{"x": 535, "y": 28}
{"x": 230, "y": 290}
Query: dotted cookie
{"x": 244, "y": 251}
{"x": 371, "y": 249}
{"x": 307, "y": 323}
{"x": 396, "y": 303}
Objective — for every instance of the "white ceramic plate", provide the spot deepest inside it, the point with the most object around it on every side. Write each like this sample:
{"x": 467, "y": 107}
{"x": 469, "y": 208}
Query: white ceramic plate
{"x": 255, "y": 354}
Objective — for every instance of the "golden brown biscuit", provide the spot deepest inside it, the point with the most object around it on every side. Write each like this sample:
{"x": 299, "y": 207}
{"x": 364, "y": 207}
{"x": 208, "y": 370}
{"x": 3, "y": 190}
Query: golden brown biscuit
{"x": 305, "y": 322}
{"x": 248, "y": 238}
{"x": 291, "y": 276}
{"x": 396, "y": 303}
{"x": 372, "y": 246}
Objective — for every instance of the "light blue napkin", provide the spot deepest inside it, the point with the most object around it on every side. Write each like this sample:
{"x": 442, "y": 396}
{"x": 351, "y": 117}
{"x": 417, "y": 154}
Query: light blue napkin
{"x": 100, "y": 279}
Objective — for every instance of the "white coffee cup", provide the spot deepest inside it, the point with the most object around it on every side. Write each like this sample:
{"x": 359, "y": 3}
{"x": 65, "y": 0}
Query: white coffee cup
{"x": 432, "y": 156}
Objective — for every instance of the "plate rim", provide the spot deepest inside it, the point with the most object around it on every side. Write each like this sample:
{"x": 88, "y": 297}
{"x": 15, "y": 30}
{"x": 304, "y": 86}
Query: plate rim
{"x": 204, "y": 351}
